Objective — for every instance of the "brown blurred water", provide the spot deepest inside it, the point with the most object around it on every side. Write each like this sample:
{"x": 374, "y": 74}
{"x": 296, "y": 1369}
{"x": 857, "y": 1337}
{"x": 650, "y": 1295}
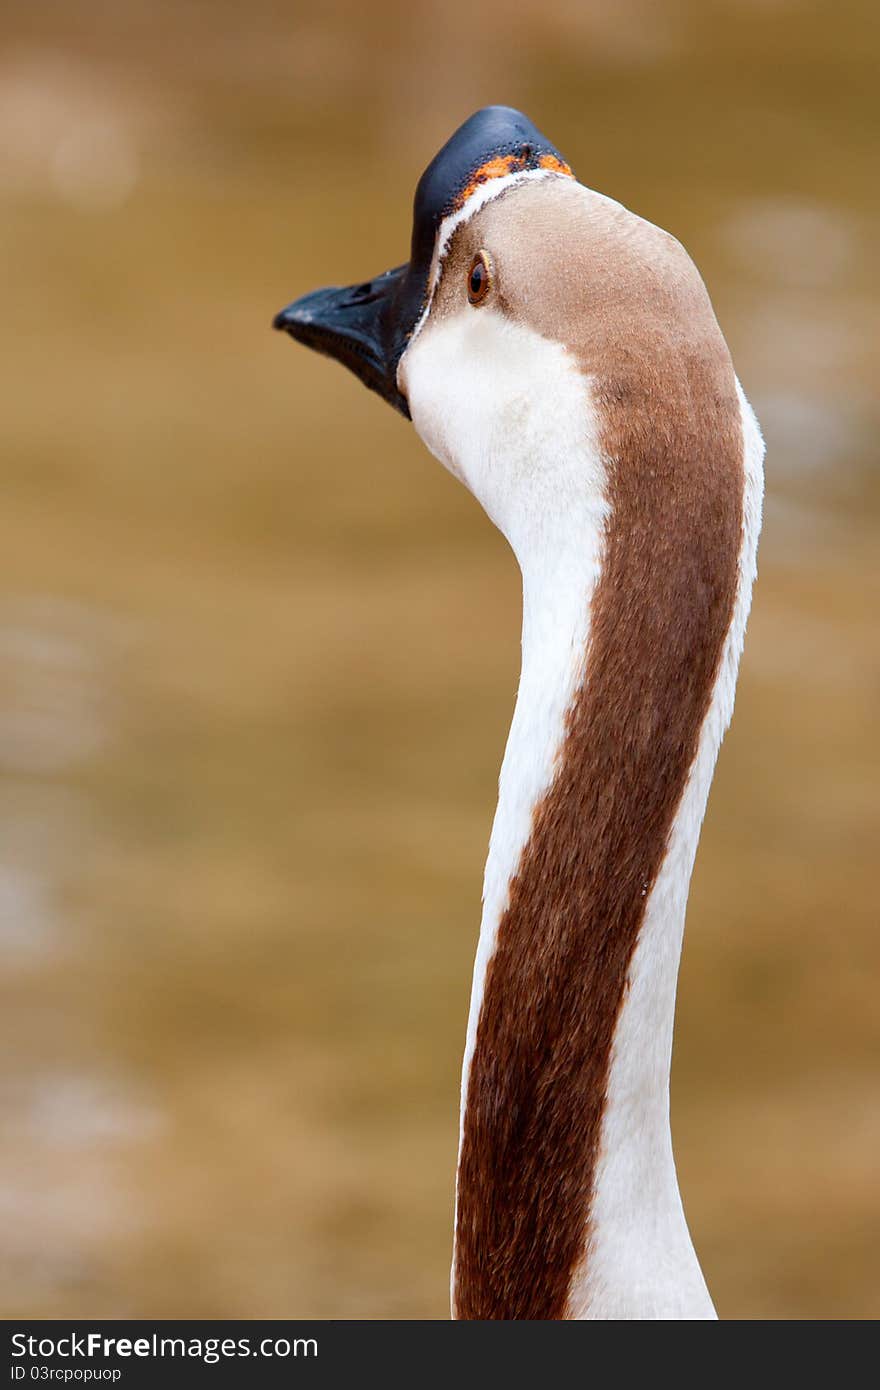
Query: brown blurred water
{"x": 258, "y": 652}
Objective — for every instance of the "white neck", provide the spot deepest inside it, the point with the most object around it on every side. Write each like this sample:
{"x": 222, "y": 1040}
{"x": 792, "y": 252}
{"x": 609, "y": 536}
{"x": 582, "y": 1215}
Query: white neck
{"x": 557, "y": 591}
{"x": 559, "y": 552}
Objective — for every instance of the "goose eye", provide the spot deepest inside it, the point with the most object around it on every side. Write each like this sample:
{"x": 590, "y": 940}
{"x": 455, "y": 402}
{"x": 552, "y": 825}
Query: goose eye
{"x": 479, "y": 278}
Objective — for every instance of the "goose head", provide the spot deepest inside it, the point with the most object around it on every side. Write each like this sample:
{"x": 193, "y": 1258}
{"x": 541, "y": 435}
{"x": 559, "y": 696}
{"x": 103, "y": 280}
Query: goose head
{"x": 537, "y": 325}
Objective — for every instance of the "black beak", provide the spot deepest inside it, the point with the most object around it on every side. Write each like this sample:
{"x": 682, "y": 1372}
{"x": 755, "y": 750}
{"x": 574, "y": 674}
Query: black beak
{"x": 364, "y": 327}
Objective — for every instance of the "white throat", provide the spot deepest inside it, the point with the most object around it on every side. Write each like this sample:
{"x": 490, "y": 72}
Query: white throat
{"x": 535, "y": 465}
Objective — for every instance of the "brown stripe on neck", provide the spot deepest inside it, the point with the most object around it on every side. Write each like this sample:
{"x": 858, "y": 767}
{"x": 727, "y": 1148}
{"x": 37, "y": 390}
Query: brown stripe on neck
{"x": 554, "y": 986}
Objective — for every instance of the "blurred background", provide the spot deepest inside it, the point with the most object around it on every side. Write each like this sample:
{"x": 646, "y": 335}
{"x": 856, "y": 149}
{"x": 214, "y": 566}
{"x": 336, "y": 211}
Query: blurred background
{"x": 258, "y": 652}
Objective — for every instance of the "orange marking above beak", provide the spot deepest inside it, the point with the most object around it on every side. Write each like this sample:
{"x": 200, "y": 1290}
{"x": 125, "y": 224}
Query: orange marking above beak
{"x": 509, "y": 164}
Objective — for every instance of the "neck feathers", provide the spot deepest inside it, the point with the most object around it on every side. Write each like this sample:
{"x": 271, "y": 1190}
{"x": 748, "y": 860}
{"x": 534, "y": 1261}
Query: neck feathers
{"x": 631, "y": 638}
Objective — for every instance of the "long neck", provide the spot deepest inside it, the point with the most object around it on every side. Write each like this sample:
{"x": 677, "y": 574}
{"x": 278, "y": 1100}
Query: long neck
{"x": 568, "y": 1202}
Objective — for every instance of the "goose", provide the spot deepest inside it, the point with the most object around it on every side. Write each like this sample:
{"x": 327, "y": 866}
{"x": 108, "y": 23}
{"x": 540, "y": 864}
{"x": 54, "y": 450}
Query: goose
{"x": 561, "y": 357}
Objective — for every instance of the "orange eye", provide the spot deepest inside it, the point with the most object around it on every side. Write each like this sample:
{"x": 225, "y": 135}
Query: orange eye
{"x": 479, "y": 277}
